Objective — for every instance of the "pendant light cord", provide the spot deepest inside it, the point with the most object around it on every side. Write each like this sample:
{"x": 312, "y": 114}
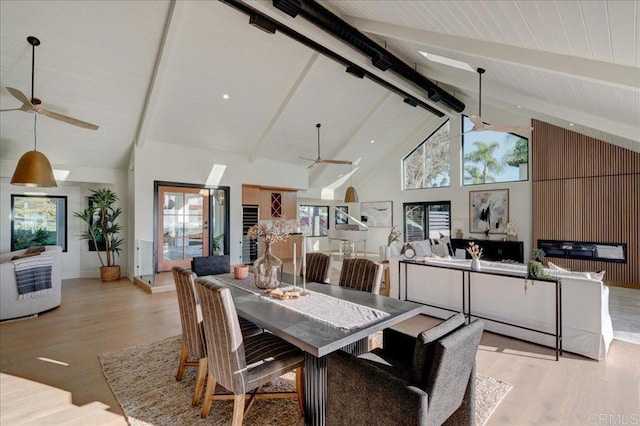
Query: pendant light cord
{"x": 35, "y": 132}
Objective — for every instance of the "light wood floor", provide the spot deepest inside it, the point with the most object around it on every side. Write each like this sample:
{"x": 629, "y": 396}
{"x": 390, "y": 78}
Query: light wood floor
{"x": 51, "y": 373}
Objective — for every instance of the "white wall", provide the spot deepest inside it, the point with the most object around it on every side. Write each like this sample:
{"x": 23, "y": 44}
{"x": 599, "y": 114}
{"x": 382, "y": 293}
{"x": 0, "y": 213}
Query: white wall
{"x": 78, "y": 261}
{"x": 385, "y": 184}
{"x": 158, "y": 161}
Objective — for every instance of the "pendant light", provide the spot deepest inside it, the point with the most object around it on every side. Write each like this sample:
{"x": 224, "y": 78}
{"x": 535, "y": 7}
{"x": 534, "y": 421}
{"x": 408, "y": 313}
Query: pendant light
{"x": 351, "y": 196}
{"x": 34, "y": 168}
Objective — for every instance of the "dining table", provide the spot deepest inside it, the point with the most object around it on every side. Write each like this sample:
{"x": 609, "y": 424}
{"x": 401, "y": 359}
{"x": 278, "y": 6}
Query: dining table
{"x": 315, "y": 336}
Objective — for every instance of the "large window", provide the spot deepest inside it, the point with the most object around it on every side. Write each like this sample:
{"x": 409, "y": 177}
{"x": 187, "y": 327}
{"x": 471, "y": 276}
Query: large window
{"x": 314, "y": 220}
{"x": 428, "y": 165}
{"x": 38, "y": 221}
{"x": 427, "y": 220}
{"x": 493, "y": 156}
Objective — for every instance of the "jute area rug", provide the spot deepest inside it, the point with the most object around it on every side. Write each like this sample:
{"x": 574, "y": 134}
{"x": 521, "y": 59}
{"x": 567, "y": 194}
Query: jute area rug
{"x": 143, "y": 381}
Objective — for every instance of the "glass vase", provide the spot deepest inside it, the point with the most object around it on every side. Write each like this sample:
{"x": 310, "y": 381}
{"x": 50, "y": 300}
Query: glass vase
{"x": 267, "y": 270}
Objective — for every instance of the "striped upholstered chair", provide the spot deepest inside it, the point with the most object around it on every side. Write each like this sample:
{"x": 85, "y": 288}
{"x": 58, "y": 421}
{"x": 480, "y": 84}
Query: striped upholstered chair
{"x": 361, "y": 274}
{"x": 239, "y": 364}
{"x": 193, "y": 344}
{"x": 318, "y": 267}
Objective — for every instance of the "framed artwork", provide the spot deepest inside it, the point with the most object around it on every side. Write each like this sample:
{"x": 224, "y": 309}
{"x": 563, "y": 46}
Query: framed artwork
{"x": 340, "y": 217}
{"x": 488, "y": 211}
{"x": 377, "y": 214}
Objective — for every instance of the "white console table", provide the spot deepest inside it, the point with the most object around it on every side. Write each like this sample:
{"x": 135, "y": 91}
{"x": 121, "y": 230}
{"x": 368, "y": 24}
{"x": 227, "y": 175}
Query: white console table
{"x": 458, "y": 288}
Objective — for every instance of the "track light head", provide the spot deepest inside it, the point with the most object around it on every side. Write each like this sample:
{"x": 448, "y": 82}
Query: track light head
{"x": 411, "y": 101}
{"x": 355, "y": 71}
{"x": 263, "y": 23}
{"x": 290, "y": 7}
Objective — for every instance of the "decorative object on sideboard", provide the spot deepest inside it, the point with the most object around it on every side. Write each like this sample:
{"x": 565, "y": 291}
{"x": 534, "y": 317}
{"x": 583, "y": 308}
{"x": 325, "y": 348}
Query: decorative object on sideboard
{"x": 102, "y": 229}
{"x": 408, "y": 251}
{"x": 512, "y": 233}
{"x": 535, "y": 268}
{"x": 476, "y": 252}
{"x": 394, "y": 236}
{"x": 267, "y": 269}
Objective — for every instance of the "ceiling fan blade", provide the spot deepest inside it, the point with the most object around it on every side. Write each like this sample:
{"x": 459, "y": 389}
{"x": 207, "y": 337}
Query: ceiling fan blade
{"x": 333, "y": 161}
{"x": 13, "y": 109}
{"x": 476, "y": 120}
{"x": 65, "y": 118}
{"x": 26, "y": 103}
{"x": 507, "y": 129}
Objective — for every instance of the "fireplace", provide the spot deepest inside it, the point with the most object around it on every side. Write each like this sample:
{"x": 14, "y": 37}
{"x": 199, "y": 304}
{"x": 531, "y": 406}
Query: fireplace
{"x": 605, "y": 252}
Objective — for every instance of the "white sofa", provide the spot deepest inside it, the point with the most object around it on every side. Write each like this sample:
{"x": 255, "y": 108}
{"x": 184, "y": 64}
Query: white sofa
{"x": 12, "y": 307}
{"x": 586, "y": 323}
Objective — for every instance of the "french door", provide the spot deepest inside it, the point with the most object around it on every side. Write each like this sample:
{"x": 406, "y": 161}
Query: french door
{"x": 183, "y": 225}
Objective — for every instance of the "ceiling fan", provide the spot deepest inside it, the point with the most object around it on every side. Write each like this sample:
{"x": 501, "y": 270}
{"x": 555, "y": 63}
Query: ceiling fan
{"x": 479, "y": 125}
{"x": 33, "y": 105}
{"x": 320, "y": 160}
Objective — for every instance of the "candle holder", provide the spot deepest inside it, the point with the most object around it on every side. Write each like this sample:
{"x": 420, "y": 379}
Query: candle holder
{"x": 304, "y": 282}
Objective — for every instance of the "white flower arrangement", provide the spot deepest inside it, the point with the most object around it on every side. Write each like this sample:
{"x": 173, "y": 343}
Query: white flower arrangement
{"x": 474, "y": 250}
{"x": 279, "y": 230}
{"x": 511, "y": 229}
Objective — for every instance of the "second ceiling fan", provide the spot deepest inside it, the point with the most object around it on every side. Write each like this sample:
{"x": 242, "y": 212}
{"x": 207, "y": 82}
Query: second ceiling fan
{"x": 321, "y": 160}
{"x": 479, "y": 125}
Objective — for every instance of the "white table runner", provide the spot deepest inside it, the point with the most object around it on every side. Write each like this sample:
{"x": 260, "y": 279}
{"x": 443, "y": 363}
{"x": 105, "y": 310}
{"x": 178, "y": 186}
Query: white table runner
{"x": 331, "y": 310}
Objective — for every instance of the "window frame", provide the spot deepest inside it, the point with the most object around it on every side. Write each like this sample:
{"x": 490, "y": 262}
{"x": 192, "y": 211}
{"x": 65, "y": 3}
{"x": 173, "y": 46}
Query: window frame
{"x": 61, "y": 240}
{"x": 425, "y": 205}
{"x": 404, "y": 183}
{"x": 300, "y": 215}
{"x": 462, "y": 157}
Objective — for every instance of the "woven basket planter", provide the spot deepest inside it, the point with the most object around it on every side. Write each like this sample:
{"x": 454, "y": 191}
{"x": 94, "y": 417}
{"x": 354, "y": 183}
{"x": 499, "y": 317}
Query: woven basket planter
{"x": 110, "y": 273}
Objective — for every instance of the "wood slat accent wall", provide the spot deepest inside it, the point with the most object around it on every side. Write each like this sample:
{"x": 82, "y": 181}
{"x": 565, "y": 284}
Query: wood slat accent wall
{"x": 585, "y": 189}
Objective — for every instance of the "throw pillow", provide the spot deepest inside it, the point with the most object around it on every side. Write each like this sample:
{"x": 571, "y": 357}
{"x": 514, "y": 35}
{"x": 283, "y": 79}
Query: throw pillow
{"x": 423, "y": 248}
{"x": 439, "y": 249}
{"x": 597, "y": 275}
{"x": 35, "y": 249}
{"x": 425, "y": 346}
{"x": 555, "y": 267}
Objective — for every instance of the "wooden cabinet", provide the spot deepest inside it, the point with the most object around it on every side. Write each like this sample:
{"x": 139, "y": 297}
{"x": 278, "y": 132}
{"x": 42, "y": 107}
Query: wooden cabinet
{"x": 284, "y": 249}
{"x": 250, "y": 194}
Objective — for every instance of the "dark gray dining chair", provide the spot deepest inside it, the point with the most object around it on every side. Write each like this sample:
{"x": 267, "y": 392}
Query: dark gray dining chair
{"x": 211, "y": 265}
{"x": 361, "y": 274}
{"x": 428, "y": 380}
{"x": 193, "y": 345}
{"x": 242, "y": 364}
{"x": 318, "y": 267}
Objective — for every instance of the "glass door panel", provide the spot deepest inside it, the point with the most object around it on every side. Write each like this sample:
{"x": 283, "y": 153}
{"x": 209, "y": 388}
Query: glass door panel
{"x": 183, "y": 222}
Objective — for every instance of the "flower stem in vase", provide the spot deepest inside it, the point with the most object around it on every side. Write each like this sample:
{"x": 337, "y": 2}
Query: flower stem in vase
{"x": 304, "y": 281}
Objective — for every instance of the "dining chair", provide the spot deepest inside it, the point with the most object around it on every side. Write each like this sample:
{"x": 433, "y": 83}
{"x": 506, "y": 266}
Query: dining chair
{"x": 361, "y": 274}
{"x": 242, "y": 364}
{"x": 318, "y": 267}
{"x": 193, "y": 344}
{"x": 428, "y": 380}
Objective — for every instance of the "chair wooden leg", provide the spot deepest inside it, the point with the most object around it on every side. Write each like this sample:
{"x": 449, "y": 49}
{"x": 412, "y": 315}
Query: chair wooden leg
{"x": 238, "y": 410}
{"x": 300, "y": 388}
{"x": 202, "y": 374}
{"x": 208, "y": 395}
{"x": 183, "y": 360}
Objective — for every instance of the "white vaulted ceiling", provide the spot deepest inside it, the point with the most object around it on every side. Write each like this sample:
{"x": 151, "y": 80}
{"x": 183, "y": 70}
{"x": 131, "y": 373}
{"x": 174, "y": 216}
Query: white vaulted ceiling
{"x": 157, "y": 70}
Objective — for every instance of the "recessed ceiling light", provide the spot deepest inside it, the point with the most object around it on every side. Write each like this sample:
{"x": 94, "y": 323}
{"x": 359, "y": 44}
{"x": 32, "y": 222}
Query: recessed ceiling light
{"x": 225, "y": 96}
{"x": 518, "y": 106}
{"x": 571, "y": 124}
{"x": 372, "y": 141}
{"x": 447, "y": 61}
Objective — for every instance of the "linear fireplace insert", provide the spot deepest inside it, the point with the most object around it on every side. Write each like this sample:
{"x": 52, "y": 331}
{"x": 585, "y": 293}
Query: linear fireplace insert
{"x": 605, "y": 252}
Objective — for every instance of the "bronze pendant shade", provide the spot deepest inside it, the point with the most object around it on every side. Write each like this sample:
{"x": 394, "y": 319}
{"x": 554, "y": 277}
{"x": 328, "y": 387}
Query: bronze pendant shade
{"x": 351, "y": 196}
{"x": 34, "y": 170}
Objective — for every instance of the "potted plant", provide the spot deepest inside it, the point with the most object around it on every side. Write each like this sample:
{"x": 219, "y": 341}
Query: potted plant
{"x": 102, "y": 227}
